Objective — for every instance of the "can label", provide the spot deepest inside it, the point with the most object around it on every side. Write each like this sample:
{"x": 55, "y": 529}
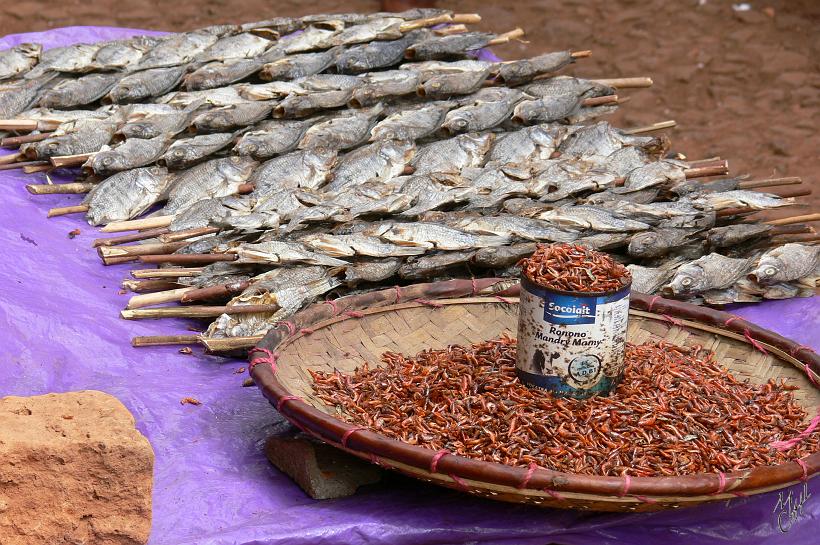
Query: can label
{"x": 571, "y": 344}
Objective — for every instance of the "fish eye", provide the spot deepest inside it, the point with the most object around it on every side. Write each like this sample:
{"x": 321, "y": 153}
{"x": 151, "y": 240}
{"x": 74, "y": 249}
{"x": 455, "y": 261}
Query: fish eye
{"x": 686, "y": 282}
{"x": 769, "y": 271}
{"x": 178, "y": 153}
{"x": 53, "y": 145}
{"x": 235, "y": 159}
{"x": 251, "y": 148}
{"x": 107, "y": 161}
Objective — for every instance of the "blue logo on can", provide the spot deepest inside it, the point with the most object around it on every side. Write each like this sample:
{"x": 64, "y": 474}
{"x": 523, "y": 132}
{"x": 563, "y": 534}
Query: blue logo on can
{"x": 565, "y": 309}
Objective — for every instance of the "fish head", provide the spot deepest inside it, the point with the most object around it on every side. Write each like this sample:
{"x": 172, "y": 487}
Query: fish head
{"x": 767, "y": 269}
{"x": 647, "y": 244}
{"x": 457, "y": 122}
{"x": 688, "y": 280}
{"x": 178, "y": 154}
{"x": 53, "y": 147}
{"x": 142, "y": 130}
{"x": 124, "y": 92}
{"x": 106, "y": 162}
{"x": 354, "y": 60}
{"x": 238, "y": 167}
{"x": 250, "y": 145}
{"x": 220, "y": 118}
{"x": 204, "y": 78}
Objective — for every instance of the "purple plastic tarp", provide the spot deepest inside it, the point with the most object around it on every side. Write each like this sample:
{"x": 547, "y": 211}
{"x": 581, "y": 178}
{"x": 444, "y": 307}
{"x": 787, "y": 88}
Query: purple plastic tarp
{"x": 59, "y": 331}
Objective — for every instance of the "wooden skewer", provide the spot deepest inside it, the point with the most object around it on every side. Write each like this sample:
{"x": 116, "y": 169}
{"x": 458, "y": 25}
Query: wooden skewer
{"x": 626, "y": 83}
{"x": 167, "y": 272}
{"x": 466, "y": 18}
{"x": 136, "y": 225}
{"x": 23, "y": 164}
{"x": 772, "y": 182}
{"x": 173, "y": 236}
{"x": 792, "y": 192}
{"x": 142, "y": 235}
{"x": 194, "y": 311}
{"x": 701, "y": 172}
{"x": 702, "y": 162}
{"x": 157, "y": 248}
{"x": 156, "y": 298}
{"x": 581, "y": 54}
{"x": 64, "y": 210}
{"x": 14, "y": 141}
{"x": 785, "y": 239}
{"x": 188, "y": 259}
{"x": 506, "y": 37}
{"x": 791, "y": 230}
{"x": 795, "y": 219}
{"x": 147, "y": 286}
{"x": 31, "y": 169}
{"x": 215, "y": 292}
{"x": 74, "y": 188}
{"x": 10, "y": 158}
{"x": 653, "y": 127}
{"x": 228, "y": 344}
{"x": 449, "y": 30}
{"x": 71, "y": 160}
{"x": 18, "y": 124}
{"x": 119, "y": 260}
{"x": 741, "y": 210}
{"x": 29, "y": 124}
{"x": 429, "y": 21}
{"x": 600, "y": 101}
{"x": 161, "y": 340}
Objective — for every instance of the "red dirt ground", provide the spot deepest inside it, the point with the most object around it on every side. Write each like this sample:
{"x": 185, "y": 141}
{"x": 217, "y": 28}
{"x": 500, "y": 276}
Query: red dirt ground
{"x": 741, "y": 85}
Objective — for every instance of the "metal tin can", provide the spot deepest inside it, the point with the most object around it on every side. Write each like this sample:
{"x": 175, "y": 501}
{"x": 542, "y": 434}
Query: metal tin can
{"x": 571, "y": 343}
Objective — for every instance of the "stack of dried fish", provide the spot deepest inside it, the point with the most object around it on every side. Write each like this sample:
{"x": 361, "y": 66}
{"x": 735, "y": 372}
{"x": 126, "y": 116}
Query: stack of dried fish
{"x": 292, "y": 159}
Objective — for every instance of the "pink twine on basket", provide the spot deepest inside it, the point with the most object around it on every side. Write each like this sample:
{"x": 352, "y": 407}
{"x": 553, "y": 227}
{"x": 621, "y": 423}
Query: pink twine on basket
{"x": 786, "y": 445}
{"x": 753, "y": 341}
{"x": 398, "y": 294}
{"x": 436, "y": 457}
{"x": 285, "y": 399}
{"x": 270, "y": 357}
{"x": 350, "y": 432}
{"x": 427, "y": 302}
{"x": 332, "y": 304}
{"x": 810, "y": 374}
{"x": 461, "y": 484}
{"x": 672, "y": 320}
{"x": 798, "y": 348}
{"x": 625, "y": 488}
{"x": 802, "y": 464}
{"x": 306, "y": 331}
{"x": 503, "y": 300}
{"x": 721, "y": 484}
{"x": 644, "y": 499}
{"x": 530, "y": 471}
{"x": 652, "y": 303}
{"x": 475, "y": 287}
{"x": 554, "y": 494}
{"x": 731, "y": 319}
{"x": 290, "y": 325}
{"x": 354, "y": 314}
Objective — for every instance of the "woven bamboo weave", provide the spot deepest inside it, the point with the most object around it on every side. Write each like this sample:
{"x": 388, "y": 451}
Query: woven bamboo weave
{"x": 358, "y": 331}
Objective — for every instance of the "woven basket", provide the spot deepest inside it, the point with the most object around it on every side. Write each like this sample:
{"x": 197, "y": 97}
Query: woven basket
{"x": 351, "y": 330}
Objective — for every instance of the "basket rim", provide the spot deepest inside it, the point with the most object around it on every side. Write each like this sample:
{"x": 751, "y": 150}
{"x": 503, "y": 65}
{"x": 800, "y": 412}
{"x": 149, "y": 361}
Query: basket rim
{"x": 372, "y": 445}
